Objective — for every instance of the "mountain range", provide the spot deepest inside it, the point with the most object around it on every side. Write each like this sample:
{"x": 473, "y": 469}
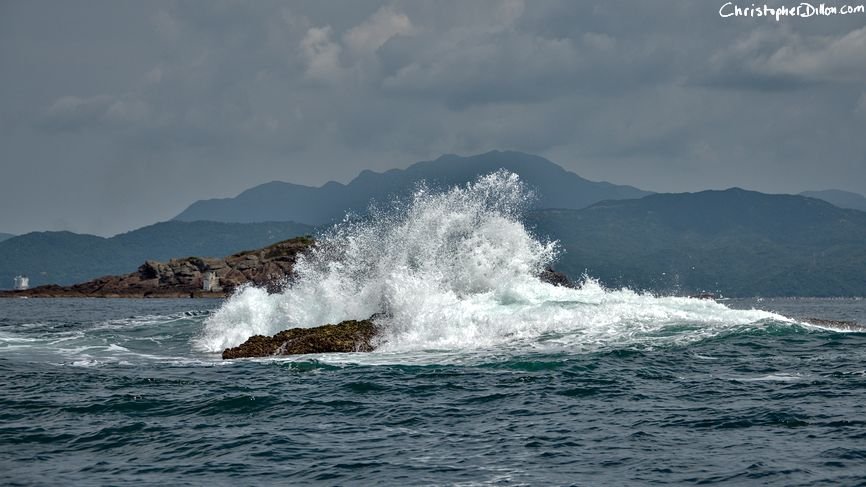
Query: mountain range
{"x": 5, "y": 236}
{"x": 736, "y": 242}
{"x": 278, "y": 201}
{"x": 68, "y": 258}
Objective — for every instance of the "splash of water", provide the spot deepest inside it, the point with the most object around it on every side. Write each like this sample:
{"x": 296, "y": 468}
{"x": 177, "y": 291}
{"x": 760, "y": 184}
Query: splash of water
{"x": 458, "y": 270}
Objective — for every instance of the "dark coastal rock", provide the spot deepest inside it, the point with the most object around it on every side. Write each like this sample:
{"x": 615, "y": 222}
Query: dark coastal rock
{"x": 346, "y": 336}
{"x": 267, "y": 267}
{"x": 550, "y": 276}
{"x": 704, "y": 295}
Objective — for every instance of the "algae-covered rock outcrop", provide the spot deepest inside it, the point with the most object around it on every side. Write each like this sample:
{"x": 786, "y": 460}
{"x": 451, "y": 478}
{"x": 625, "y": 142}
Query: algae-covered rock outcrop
{"x": 346, "y": 336}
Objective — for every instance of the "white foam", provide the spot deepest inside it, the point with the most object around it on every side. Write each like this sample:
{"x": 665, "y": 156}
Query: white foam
{"x": 457, "y": 271}
{"x": 781, "y": 377}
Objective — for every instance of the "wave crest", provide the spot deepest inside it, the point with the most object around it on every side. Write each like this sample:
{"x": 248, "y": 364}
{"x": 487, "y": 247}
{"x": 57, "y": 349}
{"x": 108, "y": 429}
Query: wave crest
{"x": 452, "y": 270}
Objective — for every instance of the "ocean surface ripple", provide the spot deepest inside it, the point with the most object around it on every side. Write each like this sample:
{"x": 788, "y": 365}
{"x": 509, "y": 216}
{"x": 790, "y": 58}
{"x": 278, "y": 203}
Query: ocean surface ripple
{"x": 126, "y": 400}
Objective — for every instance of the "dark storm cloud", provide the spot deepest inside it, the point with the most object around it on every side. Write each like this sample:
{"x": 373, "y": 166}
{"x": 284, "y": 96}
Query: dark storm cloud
{"x": 119, "y": 114}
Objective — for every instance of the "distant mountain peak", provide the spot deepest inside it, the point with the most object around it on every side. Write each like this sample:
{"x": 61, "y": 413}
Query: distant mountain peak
{"x": 280, "y": 201}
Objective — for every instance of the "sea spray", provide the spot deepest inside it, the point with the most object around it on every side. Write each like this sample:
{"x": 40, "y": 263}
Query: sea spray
{"x": 458, "y": 270}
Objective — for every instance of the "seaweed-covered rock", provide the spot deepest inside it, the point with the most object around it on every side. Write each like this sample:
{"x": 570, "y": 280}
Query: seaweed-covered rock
{"x": 346, "y": 336}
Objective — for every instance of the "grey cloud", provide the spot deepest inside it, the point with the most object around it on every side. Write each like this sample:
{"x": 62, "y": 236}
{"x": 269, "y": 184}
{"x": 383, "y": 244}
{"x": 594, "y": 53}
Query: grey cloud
{"x": 189, "y": 100}
{"x": 107, "y": 111}
{"x": 779, "y": 57}
{"x": 490, "y": 68}
{"x": 371, "y": 34}
{"x": 860, "y": 108}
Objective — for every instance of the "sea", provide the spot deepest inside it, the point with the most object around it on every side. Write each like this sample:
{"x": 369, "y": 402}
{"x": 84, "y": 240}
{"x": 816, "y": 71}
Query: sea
{"x": 483, "y": 375}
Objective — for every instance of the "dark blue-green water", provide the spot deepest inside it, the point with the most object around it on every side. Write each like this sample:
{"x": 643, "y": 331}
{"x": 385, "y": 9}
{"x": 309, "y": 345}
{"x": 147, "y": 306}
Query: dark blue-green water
{"x": 113, "y": 392}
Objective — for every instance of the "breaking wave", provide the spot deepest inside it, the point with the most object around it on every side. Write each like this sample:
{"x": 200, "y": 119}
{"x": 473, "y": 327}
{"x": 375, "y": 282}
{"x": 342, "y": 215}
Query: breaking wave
{"x": 457, "y": 270}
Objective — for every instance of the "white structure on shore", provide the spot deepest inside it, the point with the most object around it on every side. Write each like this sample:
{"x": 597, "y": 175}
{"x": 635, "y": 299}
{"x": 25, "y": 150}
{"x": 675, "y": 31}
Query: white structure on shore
{"x": 21, "y": 283}
{"x": 210, "y": 282}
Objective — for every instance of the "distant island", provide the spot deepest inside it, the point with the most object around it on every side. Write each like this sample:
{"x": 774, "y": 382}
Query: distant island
{"x": 191, "y": 277}
{"x": 66, "y": 258}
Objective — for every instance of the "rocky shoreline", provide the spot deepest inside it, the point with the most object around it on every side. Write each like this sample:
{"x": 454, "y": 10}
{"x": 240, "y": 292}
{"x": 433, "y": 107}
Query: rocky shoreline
{"x": 185, "y": 278}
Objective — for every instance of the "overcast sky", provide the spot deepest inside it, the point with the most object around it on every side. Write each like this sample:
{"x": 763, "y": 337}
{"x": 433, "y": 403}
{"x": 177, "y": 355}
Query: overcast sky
{"x": 115, "y": 115}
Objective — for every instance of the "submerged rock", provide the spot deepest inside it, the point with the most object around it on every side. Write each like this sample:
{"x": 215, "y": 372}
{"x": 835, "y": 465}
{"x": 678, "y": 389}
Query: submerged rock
{"x": 346, "y": 336}
{"x": 550, "y": 276}
{"x": 704, "y": 295}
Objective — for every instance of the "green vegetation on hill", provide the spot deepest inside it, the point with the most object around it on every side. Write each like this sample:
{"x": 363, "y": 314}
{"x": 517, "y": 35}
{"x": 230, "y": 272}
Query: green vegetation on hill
{"x": 736, "y": 242}
{"x": 68, "y": 258}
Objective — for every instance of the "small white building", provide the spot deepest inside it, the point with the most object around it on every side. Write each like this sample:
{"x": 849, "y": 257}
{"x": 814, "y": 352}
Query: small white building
{"x": 210, "y": 282}
{"x": 21, "y": 283}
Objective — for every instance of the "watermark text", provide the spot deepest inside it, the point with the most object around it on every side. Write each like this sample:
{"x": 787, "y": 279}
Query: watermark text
{"x": 802, "y": 10}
